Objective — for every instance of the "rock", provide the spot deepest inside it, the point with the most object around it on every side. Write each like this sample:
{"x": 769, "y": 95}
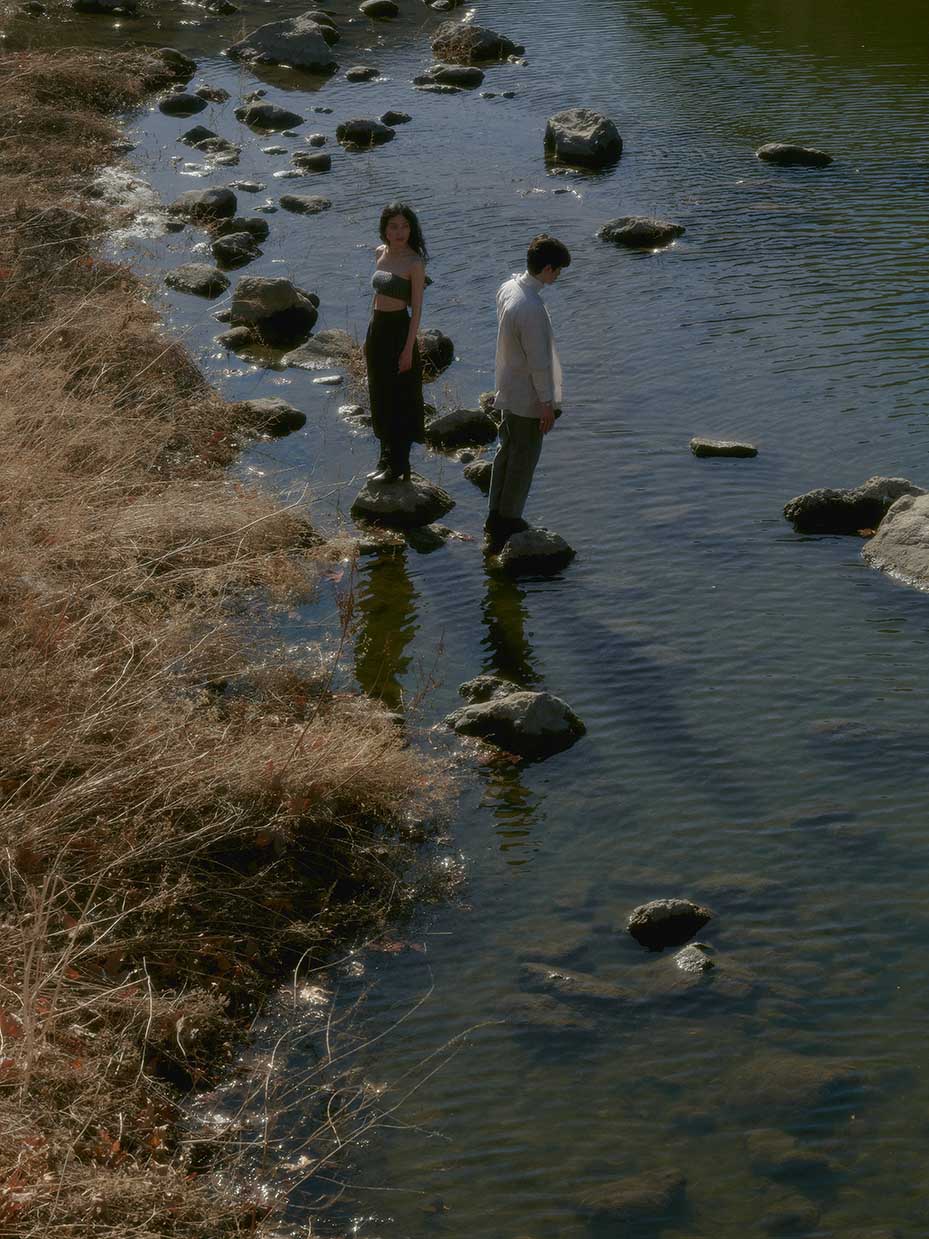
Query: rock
{"x": 362, "y": 73}
{"x": 461, "y": 43}
{"x": 33, "y": 8}
{"x": 395, "y": 118}
{"x": 479, "y": 473}
{"x": 104, "y": 7}
{"x": 571, "y": 987}
{"x": 649, "y": 1197}
{"x": 247, "y": 187}
{"x": 269, "y": 415}
{"x": 212, "y": 94}
{"x": 198, "y": 278}
{"x": 361, "y": 134}
{"x": 540, "y": 1014}
{"x": 326, "y": 24}
{"x": 484, "y": 687}
{"x": 436, "y": 351}
{"x": 722, "y": 447}
{"x": 214, "y": 145}
{"x": 436, "y": 88}
{"x": 328, "y": 380}
{"x": 785, "y": 1086}
{"x": 180, "y": 65}
{"x": 238, "y": 338}
{"x": 326, "y": 348}
{"x": 666, "y": 922}
{"x": 530, "y": 724}
{"x": 315, "y": 139}
{"x": 696, "y": 958}
{"x": 535, "y": 551}
{"x": 901, "y": 544}
{"x": 236, "y": 249}
{"x": 299, "y": 42}
{"x": 267, "y": 116}
{"x": 355, "y": 413}
{"x": 582, "y": 136}
{"x": 787, "y": 154}
{"x": 428, "y": 538}
{"x": 274, "y": 150}
{"x": 321, "y": 107}
{"x": 257, "y": 228}
{"x": 228, "y": 161}
{"x": 466, "y": 76}
{"x": 847, "y": 511}
{"x": 312, "y": 161}
{"x": 205, "y": 204}
{"x": 401, "y": 505}
{"x": 199, "y": 133}
{"x": 223, "y": 315}
{"x": 775, "y": 1155}
{"x": 796, "y": 1216}
{"x": 181, "y": 105}
{"x": 640, "y": 231}
{"x": 224, "y": 8}
{"x": 279, "y": 313}
{"x": 305, "y": 204}
{"x": 460, "y": 428}
{"x": 380, "y": 8}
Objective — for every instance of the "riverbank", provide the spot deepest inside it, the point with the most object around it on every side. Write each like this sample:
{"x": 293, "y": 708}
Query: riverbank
{"x": 187, "y": 812}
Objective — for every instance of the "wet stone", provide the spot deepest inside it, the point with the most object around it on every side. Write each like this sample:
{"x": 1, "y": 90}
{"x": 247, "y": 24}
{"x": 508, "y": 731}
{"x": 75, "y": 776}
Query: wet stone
{"x": 274, "y": 150}
{"x": 360, "y": 133}
{"x": 640, "y": 232}
{"x": 666, "y": 922}
{"x": 460, "y": 428}
{"x": 722, "y": 447}
{"x": 317, "y": 161}
{"x": 532, "y": 725}
{"x": 267, "y": 116}
{"x": 401, "y": 505}
{"x": 776, "y": 1155}
{"x": 483, "y": 687}
{"x": 325, "y": 349}
{"x": 652, "y": 1197}
{"x": 787, "y": 1086}
{"x": 582, "y": 136}
{"x": 212, "y": 94}
{"x": 258, "y": 228}
{"x": 428, "y": 538}
{"x": 535, "y": 552}
{"x": 198, "y": 278}
{"x": 395, "y": 118}
{"x": 571, "y": 987}
{"x": 362, "y": 73}
{"x": 181, "y": 105}
{"x": 199, "y": 133}
{"x": 796, "y": 1216}
{"x": 788, "y": 154}
{"x": 235, "y": 249}
{"x": 305, "y": 204}
{"x": 538, "y": 1014}
{"x": 269, "y": 415}
{"x": 316, "y": 139}
{"x": 847, "y": 511}
{"x": 205, "y": 204}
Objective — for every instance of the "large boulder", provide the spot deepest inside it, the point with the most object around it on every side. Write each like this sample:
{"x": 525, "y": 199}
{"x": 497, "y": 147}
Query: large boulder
{"x": 305, "y": 204}
{"x": 901, "y": 544}
{"x": 788, "y": 154}
{"x": 361, "y": 133}
{"x": 300, "y": 42}
{"x": 530, "y": 724}
{"x": 198, "y": 278}
{"x": 461, "y": 428}
{"x": 401, "y": 505}
{"x": 278, "y": 313}
{"x": 649, "y": 1198}
{"x": 582, "y": 136}
{"x": 461, "y": 43}
{"x": 267, "y": 116}
{"x": 436, "y": 351}
{"x": 640, "y": 232}
{"x": 326, "y": 349}
{"x": 205, "y": 204}
{"x": 181, "y": 104}
{"x": 847, "y": 511}
{"x": 666, "y": 922}
{"x": 269, "y": 415}
{"x": 535, "y": 552}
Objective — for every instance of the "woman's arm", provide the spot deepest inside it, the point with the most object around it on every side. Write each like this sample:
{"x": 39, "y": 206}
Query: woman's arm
{"x": 417, "y": 284}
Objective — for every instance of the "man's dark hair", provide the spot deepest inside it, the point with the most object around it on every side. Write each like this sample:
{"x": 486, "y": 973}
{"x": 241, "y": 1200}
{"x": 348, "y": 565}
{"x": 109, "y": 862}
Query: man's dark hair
{"x": 545, "y": 251}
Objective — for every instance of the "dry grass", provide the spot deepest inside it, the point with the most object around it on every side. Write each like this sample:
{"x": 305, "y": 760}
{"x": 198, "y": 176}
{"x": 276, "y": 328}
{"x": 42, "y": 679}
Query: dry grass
{"x": 176, "y": 828}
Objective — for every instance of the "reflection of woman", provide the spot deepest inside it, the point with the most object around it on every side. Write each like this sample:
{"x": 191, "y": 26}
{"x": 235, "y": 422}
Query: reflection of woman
{"x": 395, "y": 377}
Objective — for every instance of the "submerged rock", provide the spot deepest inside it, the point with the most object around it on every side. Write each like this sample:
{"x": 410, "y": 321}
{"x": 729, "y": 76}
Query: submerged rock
{"x": 535, "y": 552}
{"x": 198, "y": 278}
{"x": 583, "y": 136}
{"x": 463, "y": 43}
{"x": 666, "y": 922}
{"x": 199, "y": 133}
{"x": 299, "y": 41}
{"x": 640, "y": 232}
{"x": 253, "y": 225}
{"x": 361, "y": 133}
{"x": 530, "y": 724}
{"x": 541, "y": 1015}
{"x": 269, "y": 415}
{"x": 794, "y": 1216}
{"x": 401, "y": 505}
{"x": 571, "y": 987}
{"x": 788, "y": 154}
{"x": 267, "y": 116}
{"x": 722, "y": 447}
{"x": 651, "y": 1197}
{"x": 901, "y": 544}
{"x": 776, "y": 1155}
{"x": 785, "y": 1086}
{"x": 847, "y": 511}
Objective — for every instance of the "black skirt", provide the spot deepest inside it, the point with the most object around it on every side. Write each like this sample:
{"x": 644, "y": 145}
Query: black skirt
{"x": 396, "y": 399}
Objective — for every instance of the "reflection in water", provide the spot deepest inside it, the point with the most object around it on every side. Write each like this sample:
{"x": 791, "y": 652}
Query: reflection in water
{"x": 507, "y": 651}
{"x": 386, "y": 610}
{"x": 515, "y": 811}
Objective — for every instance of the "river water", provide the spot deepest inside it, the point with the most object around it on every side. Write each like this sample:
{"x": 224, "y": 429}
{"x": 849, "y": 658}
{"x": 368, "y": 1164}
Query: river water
{"x": 755, "y": 700}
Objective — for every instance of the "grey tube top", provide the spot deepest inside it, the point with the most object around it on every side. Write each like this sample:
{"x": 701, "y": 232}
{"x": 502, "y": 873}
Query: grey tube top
{"x": 390, "y": 285}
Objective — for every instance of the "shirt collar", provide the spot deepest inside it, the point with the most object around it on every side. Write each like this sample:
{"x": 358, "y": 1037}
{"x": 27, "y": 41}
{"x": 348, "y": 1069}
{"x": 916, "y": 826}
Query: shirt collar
{"x": 528, "y": 280}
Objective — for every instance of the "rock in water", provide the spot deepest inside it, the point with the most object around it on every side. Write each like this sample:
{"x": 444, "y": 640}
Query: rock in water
{"x": 788, "y": 154}
{"x": 312, "y": 161}
{"x": 847, "y": 511}
{"x": 535, "y": 552}
{"x": 462, "y": 43}
{"x": 436, "y": 351}
{"x": 299, "y": 41}
{"x": 360, "y": 133}
{"x": 722, "y": 447}
{"x": 401, "y": 505}
{"x": 666, "y": 922}
{"x": 640, "y": 232}
{"x": 326, "y": 349}
{"x": 278, "y": 313}
{"x": 479, "y": 472}
{"x": 533, "y": 725}
{"x": 461, "y": 428}
{"x": 181, "y": 104}
{"x": 465, "y": 76}
{"x": 252, "y": 224}
{"x": 362, "y": 73}
{"x": 380, "y": 8}
{"x": 901, "y": 544}
{"x": 305, "y": 204}
{"x": 646, "y": 1198}
{"x": 582, "y": 136}
{"x": 198, "y": 278}
{"x": 235, "y": 249}
{"x": 205, "y": 204}
{"x": 267, "y": 116}
{"x": 269, "y": 415}
{"x": 395, "y": 118}
{"x": 483, "y": 687}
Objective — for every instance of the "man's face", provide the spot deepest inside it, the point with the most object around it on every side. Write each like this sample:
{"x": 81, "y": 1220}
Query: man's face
{"x": 549, "y": 274}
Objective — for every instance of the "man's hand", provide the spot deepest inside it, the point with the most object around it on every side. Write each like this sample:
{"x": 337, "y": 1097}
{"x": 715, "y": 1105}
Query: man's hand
{"x": 546, "y": 418}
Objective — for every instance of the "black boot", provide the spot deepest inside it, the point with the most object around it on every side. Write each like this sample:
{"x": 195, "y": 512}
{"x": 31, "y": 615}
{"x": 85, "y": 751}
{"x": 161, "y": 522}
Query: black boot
{"x": 397, "y": 468}
{"x": 381, "y": 465}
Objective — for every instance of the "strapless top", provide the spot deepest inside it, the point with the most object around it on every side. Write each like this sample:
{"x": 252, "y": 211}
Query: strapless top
{"x": 390, "y": 285}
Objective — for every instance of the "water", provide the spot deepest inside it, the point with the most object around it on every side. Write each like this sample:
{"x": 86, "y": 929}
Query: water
{"x": 754, "y": 699}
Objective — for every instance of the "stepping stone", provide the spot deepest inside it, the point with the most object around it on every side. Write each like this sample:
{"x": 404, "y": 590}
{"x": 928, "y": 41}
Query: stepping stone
{"x": 198, "y": 278}
{"x": 787, "y": 154}
{"x": 722, "y": 447}
{"x": 401, "y": 505}
{"x": 640, "y": 232}
{"x": 532, "y": 725}
{"x": 535, "y": 552}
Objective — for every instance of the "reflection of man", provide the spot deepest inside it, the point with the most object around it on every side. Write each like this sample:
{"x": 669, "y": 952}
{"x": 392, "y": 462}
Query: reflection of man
{"x": 528, "y": 386}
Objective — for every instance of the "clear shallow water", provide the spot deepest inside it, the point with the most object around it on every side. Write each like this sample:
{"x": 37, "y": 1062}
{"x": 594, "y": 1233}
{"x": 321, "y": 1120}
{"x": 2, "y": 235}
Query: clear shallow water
{"x": 708, "y": 648}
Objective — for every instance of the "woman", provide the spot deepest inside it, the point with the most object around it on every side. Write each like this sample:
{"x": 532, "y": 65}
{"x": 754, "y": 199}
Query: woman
{"x": 395, "y": 377}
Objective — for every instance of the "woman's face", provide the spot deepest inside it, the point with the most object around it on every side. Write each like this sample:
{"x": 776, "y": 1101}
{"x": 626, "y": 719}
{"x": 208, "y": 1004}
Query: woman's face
{"x": 397, "y": 230}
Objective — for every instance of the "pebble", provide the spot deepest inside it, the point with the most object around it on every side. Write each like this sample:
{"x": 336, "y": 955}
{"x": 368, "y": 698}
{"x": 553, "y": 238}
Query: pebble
{"x": 328, "y": 380}
{"x": 274, "y": 150}
{"x": 320, "y": 108}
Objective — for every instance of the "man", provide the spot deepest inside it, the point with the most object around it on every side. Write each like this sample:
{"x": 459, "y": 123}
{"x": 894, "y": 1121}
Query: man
{"x": 528, "y": 377}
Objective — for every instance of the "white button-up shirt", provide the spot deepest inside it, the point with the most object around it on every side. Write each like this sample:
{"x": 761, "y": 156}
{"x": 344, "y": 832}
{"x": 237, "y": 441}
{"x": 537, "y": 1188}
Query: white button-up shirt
{"x": 528, "y": 373}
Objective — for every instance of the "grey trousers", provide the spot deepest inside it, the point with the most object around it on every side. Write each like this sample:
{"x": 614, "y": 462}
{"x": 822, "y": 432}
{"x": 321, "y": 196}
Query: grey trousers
{"x": 514, "y": 465}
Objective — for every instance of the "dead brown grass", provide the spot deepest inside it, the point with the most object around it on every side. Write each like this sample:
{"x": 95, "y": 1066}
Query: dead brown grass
{"x": 175, "y": 827}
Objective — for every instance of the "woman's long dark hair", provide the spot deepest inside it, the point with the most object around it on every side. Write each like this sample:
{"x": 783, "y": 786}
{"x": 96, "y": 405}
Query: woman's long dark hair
{"x": 417, "y": 243}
